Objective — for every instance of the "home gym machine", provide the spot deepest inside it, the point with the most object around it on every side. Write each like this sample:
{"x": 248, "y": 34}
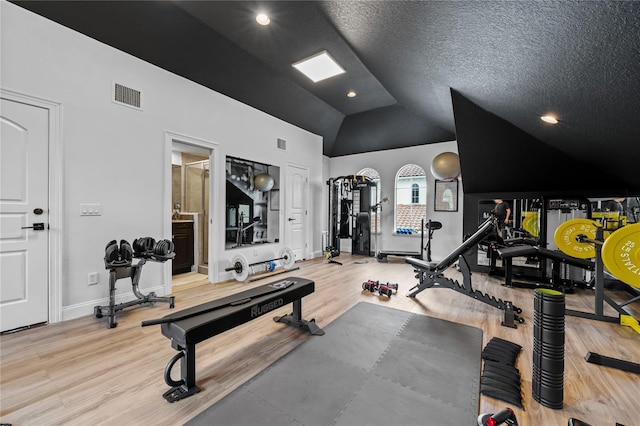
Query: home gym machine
{"x": 432, "y": 275}
{"x": 350, "y": 201}
{"x": 429, "y": 229}
{"x": 118, "y": 260}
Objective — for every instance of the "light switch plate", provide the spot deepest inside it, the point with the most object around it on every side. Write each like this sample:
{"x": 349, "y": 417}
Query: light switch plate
{"x": 90, "y": 209}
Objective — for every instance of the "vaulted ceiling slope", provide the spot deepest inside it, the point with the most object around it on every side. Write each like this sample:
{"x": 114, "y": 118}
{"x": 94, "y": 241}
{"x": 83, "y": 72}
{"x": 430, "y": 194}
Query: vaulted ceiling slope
{"x": 486, "y": 140}
{"x": 516, "y": 60}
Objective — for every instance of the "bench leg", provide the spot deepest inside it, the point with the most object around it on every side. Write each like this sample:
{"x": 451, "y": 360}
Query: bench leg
{"x": 186, "y": 386}
{"x": 508, "y": 272}
{"x": 295, "y": 319}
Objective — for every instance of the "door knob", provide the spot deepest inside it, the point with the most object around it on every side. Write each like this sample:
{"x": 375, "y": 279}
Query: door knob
{"x": 291, "y": 219}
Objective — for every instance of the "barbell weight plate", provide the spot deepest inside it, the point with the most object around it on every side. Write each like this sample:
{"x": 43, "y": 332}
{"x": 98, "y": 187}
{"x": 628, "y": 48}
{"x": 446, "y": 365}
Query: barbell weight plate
{"x": 535, "y": 224}
{"x": 288, "y": 258}
{"x": 621, "y": 254}
{"x": 566, "y": 238}
{"x": 241, "y": 267}
{"x": 530, "y": 224}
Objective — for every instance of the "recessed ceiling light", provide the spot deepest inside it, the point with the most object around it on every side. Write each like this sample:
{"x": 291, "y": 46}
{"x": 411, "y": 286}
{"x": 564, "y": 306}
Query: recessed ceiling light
{"x": 263, "y": 19}
{"x": 351, "y": 94}
{"x": 549, "y": 119}
{"x": 319, "y": 66}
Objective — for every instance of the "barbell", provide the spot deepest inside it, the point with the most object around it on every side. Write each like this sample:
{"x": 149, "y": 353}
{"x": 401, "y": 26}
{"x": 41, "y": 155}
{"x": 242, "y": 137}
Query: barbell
{"x": 620, "y": 250}
{"x": 241, "y": 268}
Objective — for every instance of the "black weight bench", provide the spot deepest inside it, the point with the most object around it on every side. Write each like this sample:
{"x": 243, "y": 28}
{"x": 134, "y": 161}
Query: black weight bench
{"x": 191, "y": 326}
{"x": 431, "y": 275}
{"x": 557, "y": 258}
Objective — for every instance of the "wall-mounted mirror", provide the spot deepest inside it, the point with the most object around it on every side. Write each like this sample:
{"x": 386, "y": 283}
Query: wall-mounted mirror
{"x": 533, "y": 222}
{"x": 252, "y": 203}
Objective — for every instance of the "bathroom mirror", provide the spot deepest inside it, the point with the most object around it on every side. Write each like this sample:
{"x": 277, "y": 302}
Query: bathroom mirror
{"x": 252, "y": 216}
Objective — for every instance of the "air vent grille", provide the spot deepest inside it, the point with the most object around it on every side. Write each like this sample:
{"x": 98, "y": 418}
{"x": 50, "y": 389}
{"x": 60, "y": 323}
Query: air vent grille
{"x": 127, "y": 96}
{"x": 282, "y": 144}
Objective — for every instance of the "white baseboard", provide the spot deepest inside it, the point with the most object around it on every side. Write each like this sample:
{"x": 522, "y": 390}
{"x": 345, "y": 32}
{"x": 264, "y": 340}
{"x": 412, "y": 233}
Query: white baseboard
{"x": 86, "y": 308}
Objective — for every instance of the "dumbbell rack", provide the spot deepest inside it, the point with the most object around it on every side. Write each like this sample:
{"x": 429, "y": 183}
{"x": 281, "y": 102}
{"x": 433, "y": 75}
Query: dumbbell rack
{"x": 119, "y": 271}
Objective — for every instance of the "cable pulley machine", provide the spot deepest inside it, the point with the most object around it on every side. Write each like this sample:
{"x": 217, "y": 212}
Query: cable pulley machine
{"x": 350, "y": 201}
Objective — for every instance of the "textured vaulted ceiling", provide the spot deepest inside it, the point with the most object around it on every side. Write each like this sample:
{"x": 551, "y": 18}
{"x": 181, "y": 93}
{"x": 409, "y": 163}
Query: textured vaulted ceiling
{"x": 479, "y": 72}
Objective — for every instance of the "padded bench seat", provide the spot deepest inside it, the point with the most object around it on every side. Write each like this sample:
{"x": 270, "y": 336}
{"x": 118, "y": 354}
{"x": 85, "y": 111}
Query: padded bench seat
{"x": 421, "y": 264}
{"x": 191, "y": 326}
{"x": 517, "y": 251}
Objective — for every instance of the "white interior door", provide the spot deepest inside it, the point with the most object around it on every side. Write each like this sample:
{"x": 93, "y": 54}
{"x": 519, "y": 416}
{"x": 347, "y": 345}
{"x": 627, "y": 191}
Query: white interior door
{"x": 24, "y": 215}
{"x": 296, "y": 211}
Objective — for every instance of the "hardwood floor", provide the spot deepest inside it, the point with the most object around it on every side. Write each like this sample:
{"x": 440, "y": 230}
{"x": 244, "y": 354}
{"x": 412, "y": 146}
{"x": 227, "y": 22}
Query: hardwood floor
{"x": 79, "y": 372}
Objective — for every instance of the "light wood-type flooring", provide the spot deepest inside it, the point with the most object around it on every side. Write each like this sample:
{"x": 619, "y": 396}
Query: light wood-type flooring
{"x": 80, "y": 372}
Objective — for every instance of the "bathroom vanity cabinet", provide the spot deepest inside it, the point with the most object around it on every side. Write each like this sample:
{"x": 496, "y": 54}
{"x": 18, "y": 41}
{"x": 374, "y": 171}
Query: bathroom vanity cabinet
{"x": 184, "y": 246}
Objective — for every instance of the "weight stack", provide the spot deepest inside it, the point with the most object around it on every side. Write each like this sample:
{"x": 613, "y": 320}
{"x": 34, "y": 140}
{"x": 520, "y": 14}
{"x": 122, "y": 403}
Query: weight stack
{"x": 548, "y": 348}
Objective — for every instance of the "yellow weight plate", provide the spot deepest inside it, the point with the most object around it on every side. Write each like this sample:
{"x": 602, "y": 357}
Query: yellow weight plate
{"x": 530, "y": 224}
{"x": 535, "y": 225}
{"x": 621, "y": 254}
{"x": 566, "y": 237}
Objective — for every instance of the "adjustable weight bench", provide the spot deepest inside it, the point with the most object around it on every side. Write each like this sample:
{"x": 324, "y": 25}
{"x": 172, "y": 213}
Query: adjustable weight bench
{"x": 191, "y": 326}
{"x": 431, "y": 275}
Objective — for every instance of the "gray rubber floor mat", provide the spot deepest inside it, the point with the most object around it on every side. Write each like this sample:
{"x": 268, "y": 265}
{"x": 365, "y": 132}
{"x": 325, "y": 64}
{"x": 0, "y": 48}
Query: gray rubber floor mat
{"x": 374, "y": 366}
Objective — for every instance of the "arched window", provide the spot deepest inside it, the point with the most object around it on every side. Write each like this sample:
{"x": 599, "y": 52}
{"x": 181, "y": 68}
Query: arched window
{"x": 411, "y": 199}
{"x": 375, "y": 196}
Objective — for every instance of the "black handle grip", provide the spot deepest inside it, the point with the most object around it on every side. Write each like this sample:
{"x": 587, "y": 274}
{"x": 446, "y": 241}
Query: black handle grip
{"x": 155, "y": 322}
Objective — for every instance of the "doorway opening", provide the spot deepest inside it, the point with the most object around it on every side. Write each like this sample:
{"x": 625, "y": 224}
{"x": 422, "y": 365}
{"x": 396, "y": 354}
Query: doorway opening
{"x": 190, "y": 207}
{"x": 195, "y": 198}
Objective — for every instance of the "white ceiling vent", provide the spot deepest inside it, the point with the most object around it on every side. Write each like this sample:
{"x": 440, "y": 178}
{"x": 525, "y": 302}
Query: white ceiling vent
{"x": 282, "y": 144}
{"x": 127, "y": 96}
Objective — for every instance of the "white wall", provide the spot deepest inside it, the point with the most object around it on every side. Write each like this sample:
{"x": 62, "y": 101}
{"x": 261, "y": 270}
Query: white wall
{"x": 115, "y": 155}
{"x": 387, "y": 163}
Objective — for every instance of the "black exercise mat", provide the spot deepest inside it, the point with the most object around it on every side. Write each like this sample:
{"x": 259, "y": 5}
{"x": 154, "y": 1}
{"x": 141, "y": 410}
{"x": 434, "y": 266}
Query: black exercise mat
{"x": 374, "y": 366}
